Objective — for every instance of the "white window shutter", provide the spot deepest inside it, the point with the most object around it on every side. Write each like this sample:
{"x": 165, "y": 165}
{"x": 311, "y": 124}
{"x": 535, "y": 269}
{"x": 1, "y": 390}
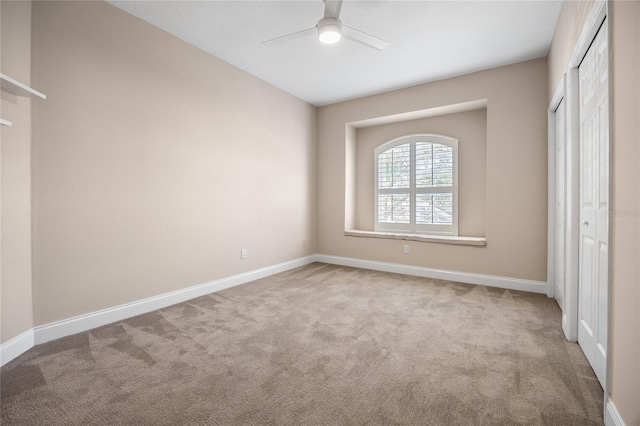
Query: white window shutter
{"x": 416, "y": 185}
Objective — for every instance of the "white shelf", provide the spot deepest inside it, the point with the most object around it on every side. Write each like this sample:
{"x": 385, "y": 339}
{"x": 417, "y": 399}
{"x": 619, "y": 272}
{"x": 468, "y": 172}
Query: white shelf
{"x": 15, "y": 87}
{"x": 5, "y": 122}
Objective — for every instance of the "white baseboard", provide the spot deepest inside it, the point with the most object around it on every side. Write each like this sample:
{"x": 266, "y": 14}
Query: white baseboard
{"x": 419, "y": 271}
{"x": 67, "y": 327}
{"x": 16, "y": 346}
{"x": 78, "y": 324}
{"x": 612, "y": 416}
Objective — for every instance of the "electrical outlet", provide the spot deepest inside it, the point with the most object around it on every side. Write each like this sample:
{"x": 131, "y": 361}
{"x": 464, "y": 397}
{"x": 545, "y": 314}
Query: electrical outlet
{"x": 304, "y": 243}
{"x": 243, "y": 254}
{"x": 406, "y": 249}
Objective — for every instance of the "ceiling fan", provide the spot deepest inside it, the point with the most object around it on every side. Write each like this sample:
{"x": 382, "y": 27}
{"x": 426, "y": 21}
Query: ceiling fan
{"x": 330, "y": 30}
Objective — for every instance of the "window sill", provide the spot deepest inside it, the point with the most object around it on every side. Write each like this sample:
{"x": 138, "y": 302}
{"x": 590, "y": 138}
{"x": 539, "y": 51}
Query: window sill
{"x": 442, "y": 239}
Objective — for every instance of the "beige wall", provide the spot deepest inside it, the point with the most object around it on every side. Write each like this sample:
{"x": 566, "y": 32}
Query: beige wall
{"x": 470, "y": 128}
{"x": 15, "y": 230}
{"x": 625, "y": 186}
{"x": 516, "y": 173}
{"x": 572, "y": 17}
{"x": 154, "y": 163}
{"x": 624, "y": 19}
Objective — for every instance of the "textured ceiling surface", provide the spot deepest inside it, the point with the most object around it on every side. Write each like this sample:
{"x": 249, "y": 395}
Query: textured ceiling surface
{"x": 430, "y": 40}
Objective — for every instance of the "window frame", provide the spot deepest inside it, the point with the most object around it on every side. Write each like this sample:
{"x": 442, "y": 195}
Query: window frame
{"x": 412, "y": 227}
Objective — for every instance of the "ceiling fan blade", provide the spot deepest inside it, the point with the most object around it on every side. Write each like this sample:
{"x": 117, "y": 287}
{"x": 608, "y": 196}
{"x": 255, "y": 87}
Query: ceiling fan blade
{"x": 289, "y": 37}
{"x": 332, "y": 8}
{"x": 363, "y": 38}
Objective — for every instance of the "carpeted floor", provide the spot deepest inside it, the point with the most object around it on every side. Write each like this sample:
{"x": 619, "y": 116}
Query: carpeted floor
{"x": 318, "y": 345}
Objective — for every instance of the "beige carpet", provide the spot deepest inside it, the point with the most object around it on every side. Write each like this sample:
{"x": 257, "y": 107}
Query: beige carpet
{"x": 318, "y": 345}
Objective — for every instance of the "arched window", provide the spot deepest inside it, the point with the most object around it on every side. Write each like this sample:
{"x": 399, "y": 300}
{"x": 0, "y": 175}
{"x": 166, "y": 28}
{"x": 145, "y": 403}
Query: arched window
{"x": 416, "y": 185}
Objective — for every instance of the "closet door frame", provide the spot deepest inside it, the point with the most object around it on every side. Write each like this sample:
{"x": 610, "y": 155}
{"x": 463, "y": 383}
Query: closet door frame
{"x": 569, "y": 91}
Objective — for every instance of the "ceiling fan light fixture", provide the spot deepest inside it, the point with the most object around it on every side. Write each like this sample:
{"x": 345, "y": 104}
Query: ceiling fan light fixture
{"x": 329, "y": 30}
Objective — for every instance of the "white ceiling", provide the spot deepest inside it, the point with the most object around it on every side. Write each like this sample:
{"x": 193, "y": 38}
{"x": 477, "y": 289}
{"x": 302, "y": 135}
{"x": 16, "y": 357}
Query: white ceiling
{"x": 430, "y": 40}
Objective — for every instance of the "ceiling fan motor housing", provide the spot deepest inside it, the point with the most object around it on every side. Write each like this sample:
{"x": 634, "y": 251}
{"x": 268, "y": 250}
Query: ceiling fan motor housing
{"x": 329, "y": 30}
